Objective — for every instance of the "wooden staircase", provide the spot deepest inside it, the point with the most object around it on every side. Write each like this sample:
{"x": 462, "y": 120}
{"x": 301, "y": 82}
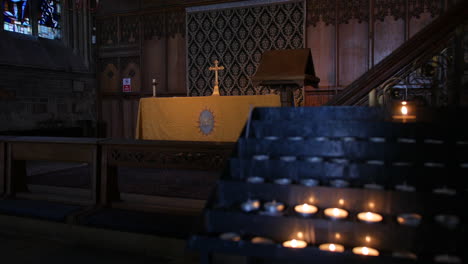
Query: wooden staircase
{"x": 422, "y": 46}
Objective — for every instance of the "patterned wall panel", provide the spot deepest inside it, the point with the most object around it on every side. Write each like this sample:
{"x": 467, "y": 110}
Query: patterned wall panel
{"x": 237, "y": 37}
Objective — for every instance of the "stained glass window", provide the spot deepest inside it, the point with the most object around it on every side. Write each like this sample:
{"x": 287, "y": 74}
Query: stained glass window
{"x": 16, "y": 16}
{"x": 49, "y": 19}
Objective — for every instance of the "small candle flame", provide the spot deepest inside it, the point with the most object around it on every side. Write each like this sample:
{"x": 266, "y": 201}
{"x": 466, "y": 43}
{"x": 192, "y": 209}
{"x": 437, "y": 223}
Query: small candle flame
{"x": 294, "y": 243}
{"x": 404, "y": 110}
{"x": 336, "y": 212}
{"x": 365, "y": 251}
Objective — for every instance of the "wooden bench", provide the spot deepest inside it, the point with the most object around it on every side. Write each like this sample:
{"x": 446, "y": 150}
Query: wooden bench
{"x": 22, "y": 149}
{"x": 204, "y": 156}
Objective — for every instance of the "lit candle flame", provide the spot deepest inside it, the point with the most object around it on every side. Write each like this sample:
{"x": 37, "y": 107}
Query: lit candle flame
{"x": 404, "y": 110}
{"x": 336, "y": 212}
{"x": 332, "y": 247}
{"x": 294, "y": 243}
{"x": 365, "y": 251}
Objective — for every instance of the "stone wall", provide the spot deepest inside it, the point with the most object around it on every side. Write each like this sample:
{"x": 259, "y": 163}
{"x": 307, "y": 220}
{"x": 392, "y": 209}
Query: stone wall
{"x": 46, "y": 84}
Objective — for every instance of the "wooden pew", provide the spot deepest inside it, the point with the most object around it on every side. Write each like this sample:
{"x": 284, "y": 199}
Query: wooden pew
{"x": 206, "y": 156}
{"x": 22, "y": 149}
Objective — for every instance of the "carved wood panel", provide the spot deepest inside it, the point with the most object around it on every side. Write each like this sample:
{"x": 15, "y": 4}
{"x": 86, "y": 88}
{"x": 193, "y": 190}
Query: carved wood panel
{"x": 108, "y": 31}
{"x": 129, "y": 30}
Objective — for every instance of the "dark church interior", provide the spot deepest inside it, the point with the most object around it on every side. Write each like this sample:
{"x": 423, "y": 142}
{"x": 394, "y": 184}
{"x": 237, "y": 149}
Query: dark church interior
{"x": 234, "y": 131}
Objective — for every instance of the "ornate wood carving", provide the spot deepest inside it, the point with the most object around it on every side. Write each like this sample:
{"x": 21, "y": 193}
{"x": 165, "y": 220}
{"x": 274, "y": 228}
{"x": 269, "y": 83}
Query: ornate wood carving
{"x": 129, "y": 30}
{"x": 321, "y": 10}
{"x": 153, "y": 25}
{"x": 109, "y": 74}
{"x": 108, "y": 32}
{"x": 170, "y": 158}
{"x": 394, "y": 8}
{"x": 175, "y": 22}
{"x": 417, "y": 7}
{"x": 353, "y": 9}
{"x": 166, "y": 23}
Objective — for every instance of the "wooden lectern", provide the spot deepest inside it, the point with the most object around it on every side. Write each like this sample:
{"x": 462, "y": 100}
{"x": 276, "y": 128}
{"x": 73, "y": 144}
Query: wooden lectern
{"x": 286, "y": 70}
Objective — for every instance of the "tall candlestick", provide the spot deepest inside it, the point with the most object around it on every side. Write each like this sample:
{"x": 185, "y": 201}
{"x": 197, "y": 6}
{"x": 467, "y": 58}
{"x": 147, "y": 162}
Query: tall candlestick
{"x": 154, "y": 87}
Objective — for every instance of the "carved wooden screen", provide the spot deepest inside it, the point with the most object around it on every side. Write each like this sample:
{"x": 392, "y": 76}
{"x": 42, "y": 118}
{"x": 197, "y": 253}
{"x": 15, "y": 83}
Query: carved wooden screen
{"x": 237, "y": 35}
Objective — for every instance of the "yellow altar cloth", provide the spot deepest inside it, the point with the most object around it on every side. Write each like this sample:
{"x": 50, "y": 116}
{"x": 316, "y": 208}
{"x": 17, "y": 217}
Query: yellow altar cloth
{"x": 207, "y": 118}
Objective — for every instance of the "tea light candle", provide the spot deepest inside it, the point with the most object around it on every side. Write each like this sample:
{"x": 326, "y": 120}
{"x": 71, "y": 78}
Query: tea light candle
{"x": 261, "y": 157}
{"x": 314, "y": 159}
{"x": 283, "y": 181}
{"x": 250, "y": 205}
{"x": 295, "y": 244}
{"x": 409, "y": 219}
{"x": 295, "y": 138}
{"x": 404, "y": 255}
{"x": 309, "y": 182}
{"x": 336, "y": 213}
{"x": 339, "y": 183}
{"x": 230, "y": 236}
{"x": 288, "y": 158}
{"x": 448, "y": 221}
{"x": 366, "y": 251}
{"x": 305, "y": 209}
{"x": 369, "y": 217}
{"x": 255, "y": 179}
{"x": 271, "y": 138}
{"x": 273, "y": 207}
{"x": 331, "y": 247}
{"x": 262, "y": 240}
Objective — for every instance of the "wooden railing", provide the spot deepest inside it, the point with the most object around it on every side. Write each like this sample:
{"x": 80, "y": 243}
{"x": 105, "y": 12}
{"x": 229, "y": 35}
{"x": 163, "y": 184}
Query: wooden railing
{"x": 426, "y": 43}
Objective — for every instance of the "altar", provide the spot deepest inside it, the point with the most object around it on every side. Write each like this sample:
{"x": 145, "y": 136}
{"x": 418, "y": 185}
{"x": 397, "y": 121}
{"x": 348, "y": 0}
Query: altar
{"x": 206, "y": 118}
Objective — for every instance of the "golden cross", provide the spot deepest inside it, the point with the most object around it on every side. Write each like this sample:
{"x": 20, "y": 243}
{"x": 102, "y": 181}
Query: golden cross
{"x": 216, "y": 68}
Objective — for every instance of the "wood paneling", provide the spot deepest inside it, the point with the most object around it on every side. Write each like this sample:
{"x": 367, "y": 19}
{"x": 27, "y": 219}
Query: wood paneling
{"x": 352, "y": 51}
{"x": 388, "y": 35}
{"x": 154, "y": 64}
{"x": 416, "y": 24}
{"x": 321, "y": 40}
{"x": 176, "y": 64}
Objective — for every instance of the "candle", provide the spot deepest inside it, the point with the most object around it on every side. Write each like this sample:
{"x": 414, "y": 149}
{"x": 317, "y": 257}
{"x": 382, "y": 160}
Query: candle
{"x": 369, "y": 217}
{"x": 295, "y": 243}
{"x": 339, "y": 183}
{"x": 230, "y": 236}
{"x": 262, "y": 240}
{"x": 309, "y": 182}
{"x": 331, "y": 247}
{"x": 250, "y": 205}
{"x": 255, "y": 179}
{"x": 366, "y": 251}
{"x": 154, "y": 87}
{"x": 273, "y": 207}
{"x": 336, "y": 213}
{"x": 305, "y": 209}
{"x": 283, "y": 181}
{"x": 409, "y": 219}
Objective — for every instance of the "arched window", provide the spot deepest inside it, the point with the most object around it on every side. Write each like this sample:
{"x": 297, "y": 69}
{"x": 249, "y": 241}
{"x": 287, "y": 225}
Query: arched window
{"x": 33, "y": 17}
{"x": 16, "y": 16}
{"x": 49, "y": 19}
